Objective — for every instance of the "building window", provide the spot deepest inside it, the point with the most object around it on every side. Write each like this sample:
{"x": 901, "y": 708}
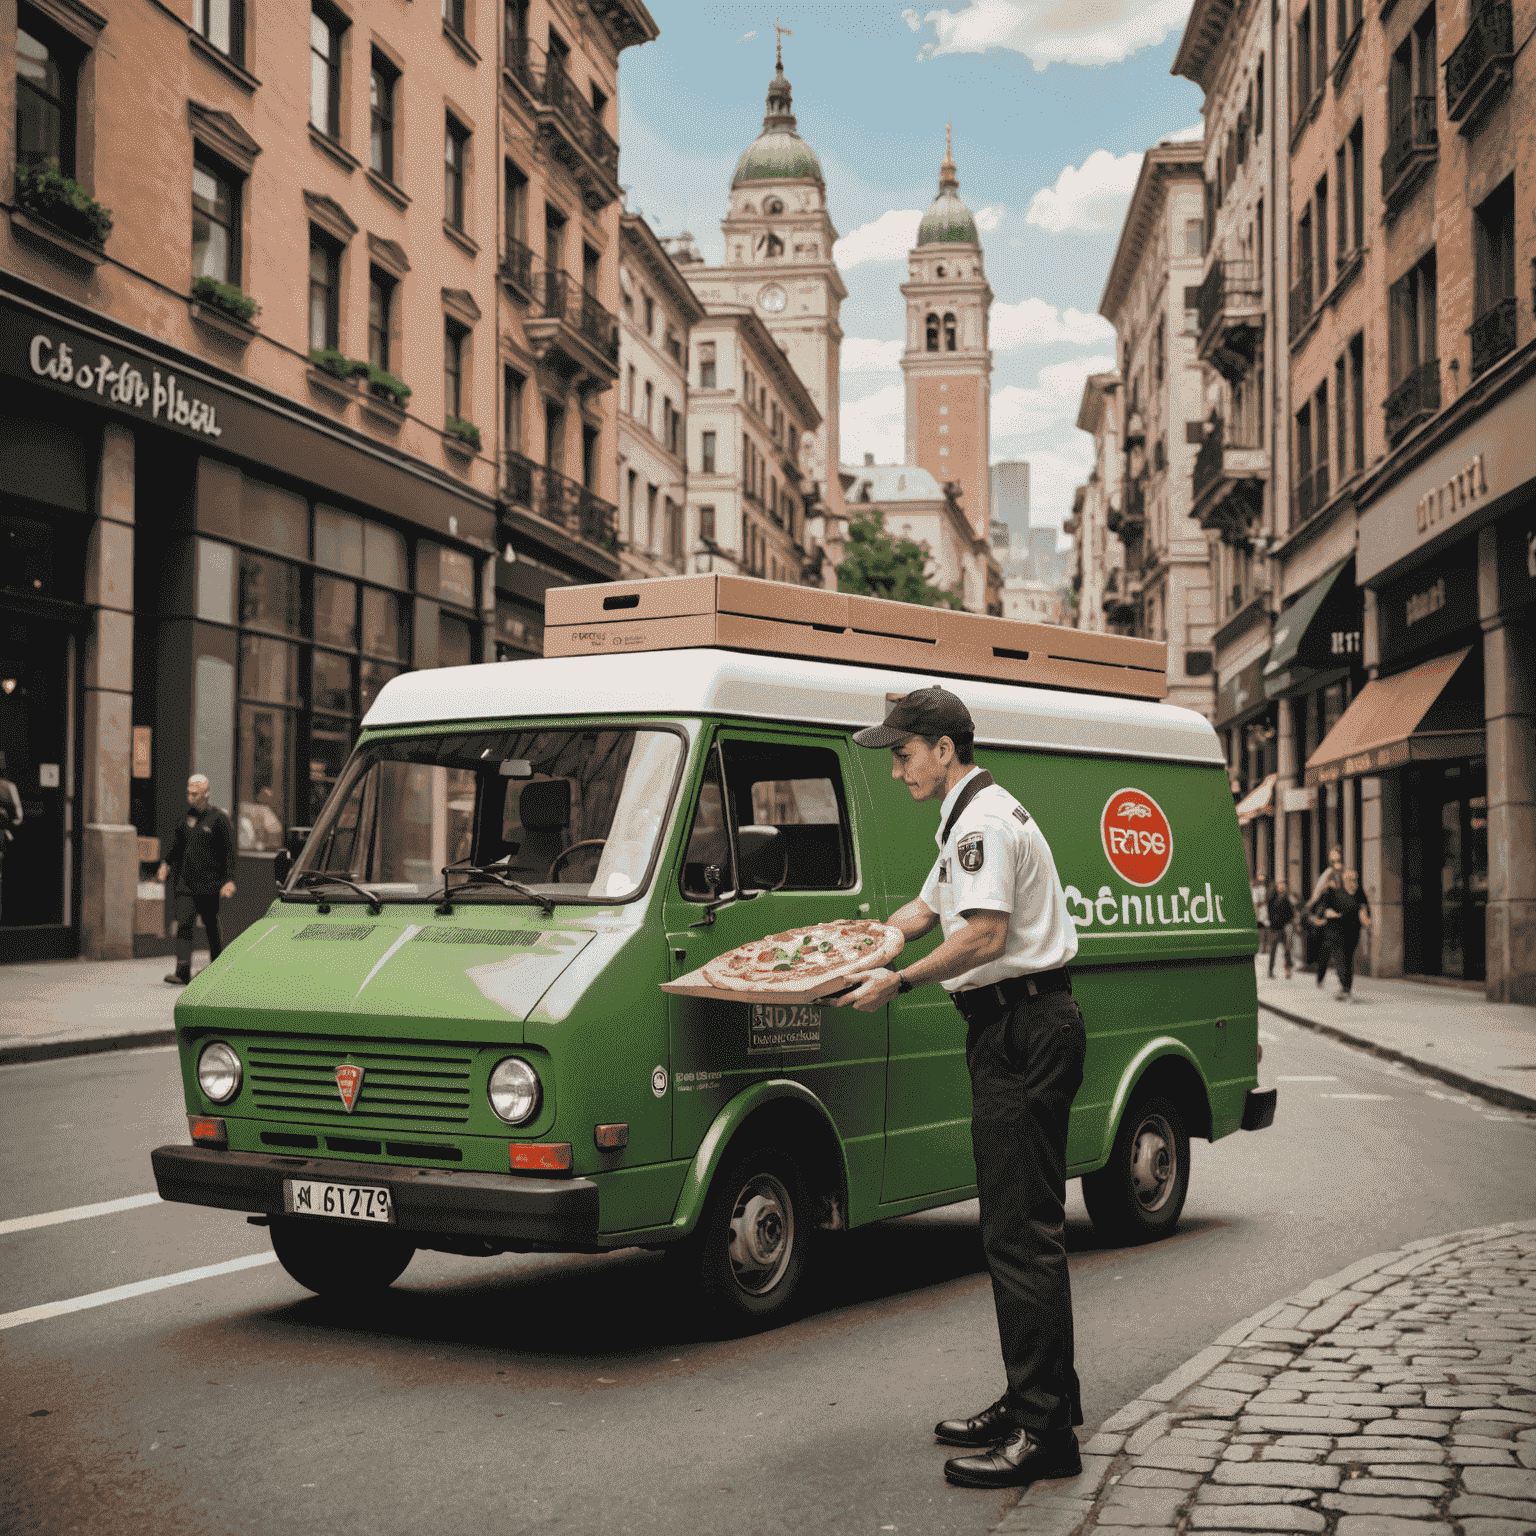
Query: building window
{"x": 325, "y": 31}
{"x": 1304, "y": 259}
{"x": 672, "y": 532}
{"x": 453, "y": 368}
{"x": 381, "y": 108}
{"x": 706, "y": 365}
{"x": 650, "y": 518}
{"x": 453, "y": 15}
{"x": 1303, "y": 61}
{"x": 47, "y": 75}
{"x": 1320, "y": 202}
{"x": 215, "y": 222}
{"x": 1194, "y": 237}
{"x": 931, "y": 338}
{"x": 707, "y": 454}
{"x": 949, "y": 333}
{"x": 673, "y": 422}
{"x": 629, "y": 391}
{"x": 707, "y": 524}
{"x": 455, "y": 140}
{"x": 650, "y": 315}
{"x": 1493, "y": 326}
{"x": 221, "y": 23}
{"x": 650, "y": 400}
{"x": 1411, "y": 338}
{"x": 512, "y": 410}
{"x": 324, "y": 291}
{"x": 381, "y": 297}
{"x": 516, "y": 205}
{"x": 673, "y": 346}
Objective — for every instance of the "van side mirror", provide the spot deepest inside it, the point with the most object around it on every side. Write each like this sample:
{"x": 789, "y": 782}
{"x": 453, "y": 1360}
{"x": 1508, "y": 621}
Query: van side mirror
{"x": 282, "y": 867}
{"x": 764, "y": 865}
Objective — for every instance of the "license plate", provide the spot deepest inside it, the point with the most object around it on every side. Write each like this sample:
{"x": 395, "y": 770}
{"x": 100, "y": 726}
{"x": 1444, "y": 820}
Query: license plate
{"x": 343, "y": 1202}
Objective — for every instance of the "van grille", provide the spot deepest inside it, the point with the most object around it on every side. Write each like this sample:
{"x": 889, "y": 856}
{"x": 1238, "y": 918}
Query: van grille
{"x": 416, "y": 1083}
{"x": 336, "y": 931}
{"x": 518, "y": 938}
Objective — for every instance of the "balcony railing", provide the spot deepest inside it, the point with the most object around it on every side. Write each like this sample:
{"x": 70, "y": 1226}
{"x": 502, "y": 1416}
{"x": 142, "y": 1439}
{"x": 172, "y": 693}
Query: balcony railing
{"x": 561, "y": 93}
{"x": 1481, "y": 63}
{"x": 1414, "y": 142}
{"x": 578, "y": 139}
{"x": 1311, "y": 493}
{"x": 517, "y": 269}
{"x": 1301, "y": 305}
{"x": 1415, "y": 400}
{"x": 1493, "y": 335}
{"x": 565, "y": 503}
{"x": 1229, "y": 285}
{"x": 558, "y": 296}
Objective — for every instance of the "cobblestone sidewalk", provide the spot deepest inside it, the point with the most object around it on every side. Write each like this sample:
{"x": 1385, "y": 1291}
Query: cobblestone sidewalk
{"x": 1397, "y": 1396}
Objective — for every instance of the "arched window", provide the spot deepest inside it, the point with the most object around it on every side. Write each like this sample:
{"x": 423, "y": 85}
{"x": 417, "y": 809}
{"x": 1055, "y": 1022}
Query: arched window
{"x": 941, "y": 271}
{"x": 773, "y": 205}
{"x": 775, "y": 246}
{"x": 949, "y": 333}
{"x": 933, "y": 333}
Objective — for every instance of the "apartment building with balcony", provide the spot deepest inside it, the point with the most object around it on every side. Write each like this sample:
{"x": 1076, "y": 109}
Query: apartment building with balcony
{"x": 750, "y": 414}
{"x": 251, "y": 392}
{"x": 558, "y": 201}
{"x": 658, "y": 311}
{"x": 1164, "y": 588}
{"x": 1439, "y": 744}
{"x": 1098, "y": 555}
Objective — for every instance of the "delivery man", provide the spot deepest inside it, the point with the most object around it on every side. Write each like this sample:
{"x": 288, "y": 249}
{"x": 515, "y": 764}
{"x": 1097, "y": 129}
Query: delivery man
{"x": 1007, "y": 939}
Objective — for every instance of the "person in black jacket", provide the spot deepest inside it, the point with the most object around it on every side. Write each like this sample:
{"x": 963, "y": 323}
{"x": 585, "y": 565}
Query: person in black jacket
{"x": 1342, "y": 913}
{"x": 202, "y": 857}
{"x": 1282, "y": 914}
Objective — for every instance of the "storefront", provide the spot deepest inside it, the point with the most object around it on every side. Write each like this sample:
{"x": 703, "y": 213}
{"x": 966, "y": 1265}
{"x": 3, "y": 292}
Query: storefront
{"x": 199, "y": 576}
{"x": 1441, "y": 741}
{"x": 1246, "y": 722}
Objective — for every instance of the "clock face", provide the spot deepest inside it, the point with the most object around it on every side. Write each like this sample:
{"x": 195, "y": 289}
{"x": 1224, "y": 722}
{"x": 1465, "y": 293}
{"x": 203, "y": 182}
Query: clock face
{"x": 773, "y": 298}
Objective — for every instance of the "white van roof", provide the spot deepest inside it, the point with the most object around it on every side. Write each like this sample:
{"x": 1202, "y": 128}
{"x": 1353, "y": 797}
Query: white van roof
{"x": 715, "y": 682}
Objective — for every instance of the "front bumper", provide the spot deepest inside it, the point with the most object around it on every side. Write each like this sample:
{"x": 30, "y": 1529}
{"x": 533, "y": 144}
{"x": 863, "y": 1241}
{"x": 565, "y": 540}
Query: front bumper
{"x": 1259, "y": 1108}
{"x": 498, "y": 1206}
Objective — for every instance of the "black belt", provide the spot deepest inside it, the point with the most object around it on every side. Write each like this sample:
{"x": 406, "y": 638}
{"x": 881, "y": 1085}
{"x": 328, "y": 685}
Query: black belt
{"x": 1002, "y": 996}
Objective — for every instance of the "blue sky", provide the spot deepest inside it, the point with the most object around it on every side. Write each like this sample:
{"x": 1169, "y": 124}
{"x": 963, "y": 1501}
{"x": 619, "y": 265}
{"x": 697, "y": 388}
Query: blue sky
{"x": 1052, "y": 101}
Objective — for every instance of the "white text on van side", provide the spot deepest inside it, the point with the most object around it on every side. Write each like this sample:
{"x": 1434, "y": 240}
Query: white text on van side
{"x": 1139, "y": 911}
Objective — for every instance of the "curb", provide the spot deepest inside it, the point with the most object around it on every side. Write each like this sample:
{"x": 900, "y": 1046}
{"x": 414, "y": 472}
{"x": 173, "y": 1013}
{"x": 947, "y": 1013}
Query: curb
{"x": 1505, "y": 1098}
{"x": 1067, "y": 1507}
{"x": 56, "y": 1050}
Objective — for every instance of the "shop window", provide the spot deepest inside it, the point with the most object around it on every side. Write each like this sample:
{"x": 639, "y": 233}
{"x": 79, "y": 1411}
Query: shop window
{"x": 381, "y": 300}
{"x": 325, "y": 29}
{"x": 455, "y": 642}
{"x": 221, "y": 23}
{"x": 383, "y": 77}
{"x": 213, "y": 724}
{"x": 215, "y": 582}
{"x": 274, "y": 519}
{"x": 384, "y": 556}
{"x": 269, "y": 594}
{"x": 457, "y": 579}
{"x": 47, "y": 80}
{"x": 324, "y": 291}
{"x": 336, "y": 611}
{"x": 215, "y": 220}
{"x": 518, "y": 631}
{"x": 455, "y": 151}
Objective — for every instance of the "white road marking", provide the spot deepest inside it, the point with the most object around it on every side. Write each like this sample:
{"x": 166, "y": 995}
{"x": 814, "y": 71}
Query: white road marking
{"x": 128, "y": 1292}
{"x": 76, "y": 1213}
{"x": 1306, "y": 1079}
{"x": 1264, "y": 1034}
{"x": 1354, "y": 1095}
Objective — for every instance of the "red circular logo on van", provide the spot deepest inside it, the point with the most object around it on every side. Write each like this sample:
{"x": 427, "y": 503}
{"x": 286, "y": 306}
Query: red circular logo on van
{"x": 1137, "y": 838}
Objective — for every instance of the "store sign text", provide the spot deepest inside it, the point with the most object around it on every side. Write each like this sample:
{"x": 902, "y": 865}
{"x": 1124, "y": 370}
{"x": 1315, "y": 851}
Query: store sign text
{"x": 1421, "y": 604}
{"x": 1450, "y": 500}
{"x": 123, "y": 384}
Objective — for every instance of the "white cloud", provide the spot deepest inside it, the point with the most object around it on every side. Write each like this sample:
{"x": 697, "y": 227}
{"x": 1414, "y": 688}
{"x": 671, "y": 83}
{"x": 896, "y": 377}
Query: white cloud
{"x": 1034, "y": 323}
{"x": 1194, "y": 134}
{"x": 1087, "y": 197}
{"x": 876, "y": 424}
{"x": 860, "y": 355}
{"x": 746, "y": 37}
{"x": 1052, "y": 31}
{"x": 889, "y": 238}
{"x": 988, "y": 218}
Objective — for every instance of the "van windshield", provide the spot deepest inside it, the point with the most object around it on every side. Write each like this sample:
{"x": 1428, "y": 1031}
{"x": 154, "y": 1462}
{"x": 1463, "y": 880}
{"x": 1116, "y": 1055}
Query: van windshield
{"x": 567, "y": 815}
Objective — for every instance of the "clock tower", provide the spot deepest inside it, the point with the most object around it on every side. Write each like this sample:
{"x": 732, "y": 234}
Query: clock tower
{"x": 778, "y": 261}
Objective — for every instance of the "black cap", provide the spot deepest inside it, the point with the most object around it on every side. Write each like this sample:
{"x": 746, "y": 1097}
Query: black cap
{"x": 925, "y": 712}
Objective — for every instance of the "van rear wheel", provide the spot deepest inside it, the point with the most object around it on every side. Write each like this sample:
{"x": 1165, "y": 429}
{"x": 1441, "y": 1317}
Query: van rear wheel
{"x": 1138, "y": 1195}
{"x": 333, "y": 1260}
{"x": 747, "y": 1256}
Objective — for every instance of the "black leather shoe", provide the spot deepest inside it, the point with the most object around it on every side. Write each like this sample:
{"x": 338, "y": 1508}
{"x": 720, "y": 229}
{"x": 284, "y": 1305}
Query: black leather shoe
{"x": 1021, "y": 1459}
{"x": 987, "y": 1428}
{"x": 176, "y": 979}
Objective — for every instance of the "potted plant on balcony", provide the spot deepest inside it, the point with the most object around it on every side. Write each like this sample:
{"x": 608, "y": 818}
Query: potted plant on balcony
{"x": 62, "y": 207}
{"x": 464, "y": 432}
{"x": 383, "y": 385}
{"x": 224, "y": 308}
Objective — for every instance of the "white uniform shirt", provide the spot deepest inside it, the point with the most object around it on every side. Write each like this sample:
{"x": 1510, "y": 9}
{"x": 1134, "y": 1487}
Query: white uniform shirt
{"x": 997, "y": 860}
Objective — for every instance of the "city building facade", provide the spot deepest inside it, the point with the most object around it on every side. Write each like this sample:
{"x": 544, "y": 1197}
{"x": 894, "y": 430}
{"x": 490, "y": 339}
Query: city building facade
{"x": 914, "y": 505}
{"x": 1163, "y": 589}
{"x": 658, "y": 311}
{"x": 250, "y": 467}
{"x": 1098, "y": 557}
{"x": 1035, "y": 602}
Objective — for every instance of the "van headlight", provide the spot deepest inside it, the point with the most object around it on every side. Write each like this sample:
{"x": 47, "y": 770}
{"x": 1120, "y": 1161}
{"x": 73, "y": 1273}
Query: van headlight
{"x": 514, "y": 1090}
{"x": 218, "y": 1072}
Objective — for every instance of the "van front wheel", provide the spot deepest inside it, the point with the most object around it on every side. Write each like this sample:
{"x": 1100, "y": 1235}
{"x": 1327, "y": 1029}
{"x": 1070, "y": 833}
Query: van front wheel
{"x": 1138, "y": 1194}
{"x": 748, "y": 1254}
{"x": 332, "y": 1260}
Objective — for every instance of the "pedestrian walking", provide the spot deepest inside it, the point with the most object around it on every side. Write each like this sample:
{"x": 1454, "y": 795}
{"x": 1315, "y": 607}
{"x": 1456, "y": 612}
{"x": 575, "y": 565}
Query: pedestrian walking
{"x": 1343, "y": 911}
{"x": 10, "y": 816}
{"x": 1312, "y": 937}
{"x": 202, "y": 858}
{"x": 1282, "y": 919}
{"x": 1008, "y": 936}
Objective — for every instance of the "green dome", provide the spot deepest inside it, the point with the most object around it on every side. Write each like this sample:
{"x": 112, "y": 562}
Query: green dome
{"x": 778, "y": 153}
{"x": 948, "y": 221}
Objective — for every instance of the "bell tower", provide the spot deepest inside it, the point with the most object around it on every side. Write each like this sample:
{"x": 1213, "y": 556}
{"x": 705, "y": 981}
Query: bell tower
{"x": 947, "y": 363}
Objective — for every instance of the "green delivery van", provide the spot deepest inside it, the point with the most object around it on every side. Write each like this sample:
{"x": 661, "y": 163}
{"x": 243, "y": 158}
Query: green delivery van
{"x": 448, "y": 1032}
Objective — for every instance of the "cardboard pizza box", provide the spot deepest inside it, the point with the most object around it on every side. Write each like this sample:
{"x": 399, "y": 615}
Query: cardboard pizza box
{"x": 694, "y": 985}
{"x": 775, "y": 618}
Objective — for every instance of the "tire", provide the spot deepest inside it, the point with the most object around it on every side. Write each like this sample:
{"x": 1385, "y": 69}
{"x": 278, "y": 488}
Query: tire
{"x": 747, "y": 1259}
{"x": 333, "y": 1260}
{"x": 1138, "y": 1195}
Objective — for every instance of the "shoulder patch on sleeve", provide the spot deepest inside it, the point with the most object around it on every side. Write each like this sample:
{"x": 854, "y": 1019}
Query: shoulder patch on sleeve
{"x": 971, "y": 850}
{"x": 1021, "y": 816}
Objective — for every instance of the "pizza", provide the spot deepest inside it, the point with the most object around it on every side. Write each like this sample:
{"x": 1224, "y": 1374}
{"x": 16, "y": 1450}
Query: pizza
{"x": 801, "y": 957}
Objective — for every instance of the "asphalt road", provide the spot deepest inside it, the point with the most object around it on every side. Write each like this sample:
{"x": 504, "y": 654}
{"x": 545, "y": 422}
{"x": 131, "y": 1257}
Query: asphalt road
{"x": 575, "y": 1394}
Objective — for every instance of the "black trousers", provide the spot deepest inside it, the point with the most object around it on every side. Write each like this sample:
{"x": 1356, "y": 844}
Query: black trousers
{"x": 191, "y": 905}
{"x": 1339, "y": 946}
{"x": 1026, "y": 1067}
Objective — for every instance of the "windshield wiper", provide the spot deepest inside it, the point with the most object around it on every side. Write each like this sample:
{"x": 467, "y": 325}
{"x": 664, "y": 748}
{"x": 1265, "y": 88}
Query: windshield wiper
{"x": 375, "y": 906}
{"x": 474, "y": 872}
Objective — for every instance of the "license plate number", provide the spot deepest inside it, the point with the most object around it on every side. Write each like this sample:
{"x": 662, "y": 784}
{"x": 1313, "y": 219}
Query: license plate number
{"x": 343, "y": 1202}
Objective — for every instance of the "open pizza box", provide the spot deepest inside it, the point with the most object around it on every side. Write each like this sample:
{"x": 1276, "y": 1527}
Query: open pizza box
{"x": 826, "y": 990}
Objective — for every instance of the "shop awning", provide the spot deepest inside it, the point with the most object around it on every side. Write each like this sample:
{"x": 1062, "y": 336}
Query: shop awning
{"x": 1304, "y": 642}
{"x": 1414, "y": 716}
{"x": 1259, "y": 801}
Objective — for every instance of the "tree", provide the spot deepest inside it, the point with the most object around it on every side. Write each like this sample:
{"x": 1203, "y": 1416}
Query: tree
{"x": 877, "y": 565}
